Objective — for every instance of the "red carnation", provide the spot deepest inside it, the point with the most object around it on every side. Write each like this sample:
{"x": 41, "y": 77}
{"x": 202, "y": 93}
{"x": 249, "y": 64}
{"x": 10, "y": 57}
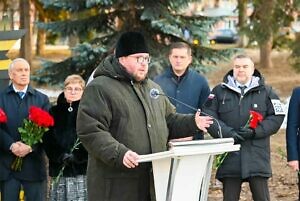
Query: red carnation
{"x": 254, "y": 119}
{"x": 3, "y": 117}
{"x": 40, "y": 117}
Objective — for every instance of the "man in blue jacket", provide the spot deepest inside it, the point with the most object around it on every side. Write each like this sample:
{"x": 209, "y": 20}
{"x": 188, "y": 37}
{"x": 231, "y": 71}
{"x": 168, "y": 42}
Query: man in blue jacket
{"x": 183, "y": 83}
{"x": 292, "y": 132}
{"x": 15, "y": 101}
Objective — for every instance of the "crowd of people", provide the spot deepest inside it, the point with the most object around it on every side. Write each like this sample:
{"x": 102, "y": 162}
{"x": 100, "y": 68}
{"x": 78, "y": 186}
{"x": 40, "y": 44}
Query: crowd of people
{"x": 100, "y": 129}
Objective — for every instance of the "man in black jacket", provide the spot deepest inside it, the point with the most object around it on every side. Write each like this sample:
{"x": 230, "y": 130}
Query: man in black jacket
{"x": 243, "y": 90}
{"x": 15, "y": 101}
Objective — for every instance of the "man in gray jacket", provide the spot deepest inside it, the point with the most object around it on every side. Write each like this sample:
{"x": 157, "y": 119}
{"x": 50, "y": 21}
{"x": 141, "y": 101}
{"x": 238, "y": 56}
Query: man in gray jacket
{"x": 243, "y": 91}
{"x": 119, "y": 119}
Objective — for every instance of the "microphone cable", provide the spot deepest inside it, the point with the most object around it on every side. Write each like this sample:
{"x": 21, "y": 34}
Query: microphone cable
{"x": 154, "y": 93}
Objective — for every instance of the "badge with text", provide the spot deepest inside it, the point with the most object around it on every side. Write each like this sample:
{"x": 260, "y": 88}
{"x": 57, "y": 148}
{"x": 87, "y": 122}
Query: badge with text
{"x": 278, "y": 108}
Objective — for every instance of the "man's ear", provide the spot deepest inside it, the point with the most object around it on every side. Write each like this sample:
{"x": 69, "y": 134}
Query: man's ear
{"x": 121, "y": 60}
{"x": 9, "y": 75}
{"x": 191, "y": 59}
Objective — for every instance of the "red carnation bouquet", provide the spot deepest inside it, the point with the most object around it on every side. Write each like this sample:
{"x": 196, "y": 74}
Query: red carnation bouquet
{"x": 33, "y": 130}
{"x": 3, "y": 117}
{"x": 254, "y": 119}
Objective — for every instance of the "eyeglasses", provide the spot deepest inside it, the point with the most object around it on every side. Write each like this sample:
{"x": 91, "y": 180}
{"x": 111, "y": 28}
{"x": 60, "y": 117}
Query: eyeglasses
{"x": 141, "y": 59}
{"x": 70, "y": 89}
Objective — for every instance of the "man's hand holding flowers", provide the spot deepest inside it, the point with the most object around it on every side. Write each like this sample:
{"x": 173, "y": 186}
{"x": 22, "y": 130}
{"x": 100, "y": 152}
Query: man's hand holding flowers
{"x": 244, "y": 133}
{"x": 68, "y": 158}
{"x": 237, "y": 137}
{"x": 31, "y": 133}
{"x": 20, "y": 149}
{"x": 248, "y": 131}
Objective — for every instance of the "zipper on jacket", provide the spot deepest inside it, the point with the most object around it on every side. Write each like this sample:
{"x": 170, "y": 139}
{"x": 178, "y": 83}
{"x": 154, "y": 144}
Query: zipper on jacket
{"x": 223, "y": 101}
{"x": 241, "y": 97}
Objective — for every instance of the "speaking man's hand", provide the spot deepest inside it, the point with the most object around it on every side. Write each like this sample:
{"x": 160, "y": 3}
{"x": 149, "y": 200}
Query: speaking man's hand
{"x": 130, "y": 159}
{"x": 203, "y": 122}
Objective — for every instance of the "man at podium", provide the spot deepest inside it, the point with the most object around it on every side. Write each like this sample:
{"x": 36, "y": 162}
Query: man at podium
{"x": 119, "y": 119}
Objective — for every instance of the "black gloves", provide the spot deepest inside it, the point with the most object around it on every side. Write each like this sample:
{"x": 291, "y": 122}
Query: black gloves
{"x": 68, "y": 158}
{"x": 242, "y": 134}
{"x": 247, "y": 133}
{"x": 237, "y": 138}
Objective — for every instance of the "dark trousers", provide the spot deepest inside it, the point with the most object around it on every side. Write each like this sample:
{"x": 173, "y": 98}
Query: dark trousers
{"x": 34, "y": 191}
{"x": 258, "y": 186}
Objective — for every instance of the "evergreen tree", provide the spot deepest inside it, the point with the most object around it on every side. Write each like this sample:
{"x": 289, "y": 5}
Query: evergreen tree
{"x": 99, "y": 23}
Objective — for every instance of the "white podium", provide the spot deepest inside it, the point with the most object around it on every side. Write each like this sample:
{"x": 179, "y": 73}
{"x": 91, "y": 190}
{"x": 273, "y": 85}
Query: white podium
{"x": 181, "y": 172}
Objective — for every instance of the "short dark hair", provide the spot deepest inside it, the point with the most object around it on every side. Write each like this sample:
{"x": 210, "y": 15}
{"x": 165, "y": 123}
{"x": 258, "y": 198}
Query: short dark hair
{"x": 179, "y": 45}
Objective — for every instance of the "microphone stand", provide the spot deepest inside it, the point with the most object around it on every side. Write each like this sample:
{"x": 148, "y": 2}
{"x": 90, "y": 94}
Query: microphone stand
{"x": 196, "y": 110}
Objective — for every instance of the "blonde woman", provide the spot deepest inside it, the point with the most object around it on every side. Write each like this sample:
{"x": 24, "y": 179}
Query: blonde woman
{"x": 61, "y": 140}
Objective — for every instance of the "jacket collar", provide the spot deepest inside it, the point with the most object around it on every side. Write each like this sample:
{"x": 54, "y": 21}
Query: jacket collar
{"x": 171, "y": 74}
{"x": 256, "y": 81}
{"x": 10, "y": 89}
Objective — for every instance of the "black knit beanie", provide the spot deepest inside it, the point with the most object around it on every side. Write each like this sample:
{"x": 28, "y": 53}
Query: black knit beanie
{"x": 131, "y": 43}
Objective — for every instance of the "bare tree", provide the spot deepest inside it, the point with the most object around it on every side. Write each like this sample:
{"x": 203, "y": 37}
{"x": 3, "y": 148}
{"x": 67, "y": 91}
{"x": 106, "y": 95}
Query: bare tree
{"x": 41, "y": 33}
{"x": 26, "y": 42}
{"x": 265, "y": 13}
{"x": 242, "y": 8}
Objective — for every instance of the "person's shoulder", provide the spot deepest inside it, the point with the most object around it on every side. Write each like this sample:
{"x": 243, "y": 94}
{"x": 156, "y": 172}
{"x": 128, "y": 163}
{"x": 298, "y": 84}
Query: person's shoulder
{"x": 151, "y": 83}
{"x": 166, "y": 73}
{"x": 156, "y": 78}
{"x": 219, "y": 87}
{"x": 296, "y": 90}
{"x": 100, "y": 83}
{"x": 271, "y": 93}
{"x": 197, "y": 74}
{"x": 36, "y": 92}
{"x": 6, "y": 89}
{"x": 40, "y": 93}
{"x": 295, "y": 93}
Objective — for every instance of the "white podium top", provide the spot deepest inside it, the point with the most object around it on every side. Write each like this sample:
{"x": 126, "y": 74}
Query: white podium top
{"x": 196, "y": 147}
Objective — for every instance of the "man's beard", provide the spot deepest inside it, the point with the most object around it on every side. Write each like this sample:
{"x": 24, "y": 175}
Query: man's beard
{"x": 139, "y": 78}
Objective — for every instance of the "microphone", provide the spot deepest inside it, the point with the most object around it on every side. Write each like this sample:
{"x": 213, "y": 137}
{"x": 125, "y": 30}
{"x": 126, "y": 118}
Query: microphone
{"x": 154, "y": 94}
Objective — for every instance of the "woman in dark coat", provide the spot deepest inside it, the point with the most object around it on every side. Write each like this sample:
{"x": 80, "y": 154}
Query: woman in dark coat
{"x": 61, "y": 140}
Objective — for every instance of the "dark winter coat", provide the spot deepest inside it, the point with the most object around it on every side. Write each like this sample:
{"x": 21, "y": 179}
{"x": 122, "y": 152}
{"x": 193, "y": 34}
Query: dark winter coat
{"x": 117, "y": 114}
{"x": 17, "y": 109}
{"x": 232, "y": 110}
{"x": 293, "y": 125}
{"x": 191, "y": 90}
{"x": 61, "y": 138}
